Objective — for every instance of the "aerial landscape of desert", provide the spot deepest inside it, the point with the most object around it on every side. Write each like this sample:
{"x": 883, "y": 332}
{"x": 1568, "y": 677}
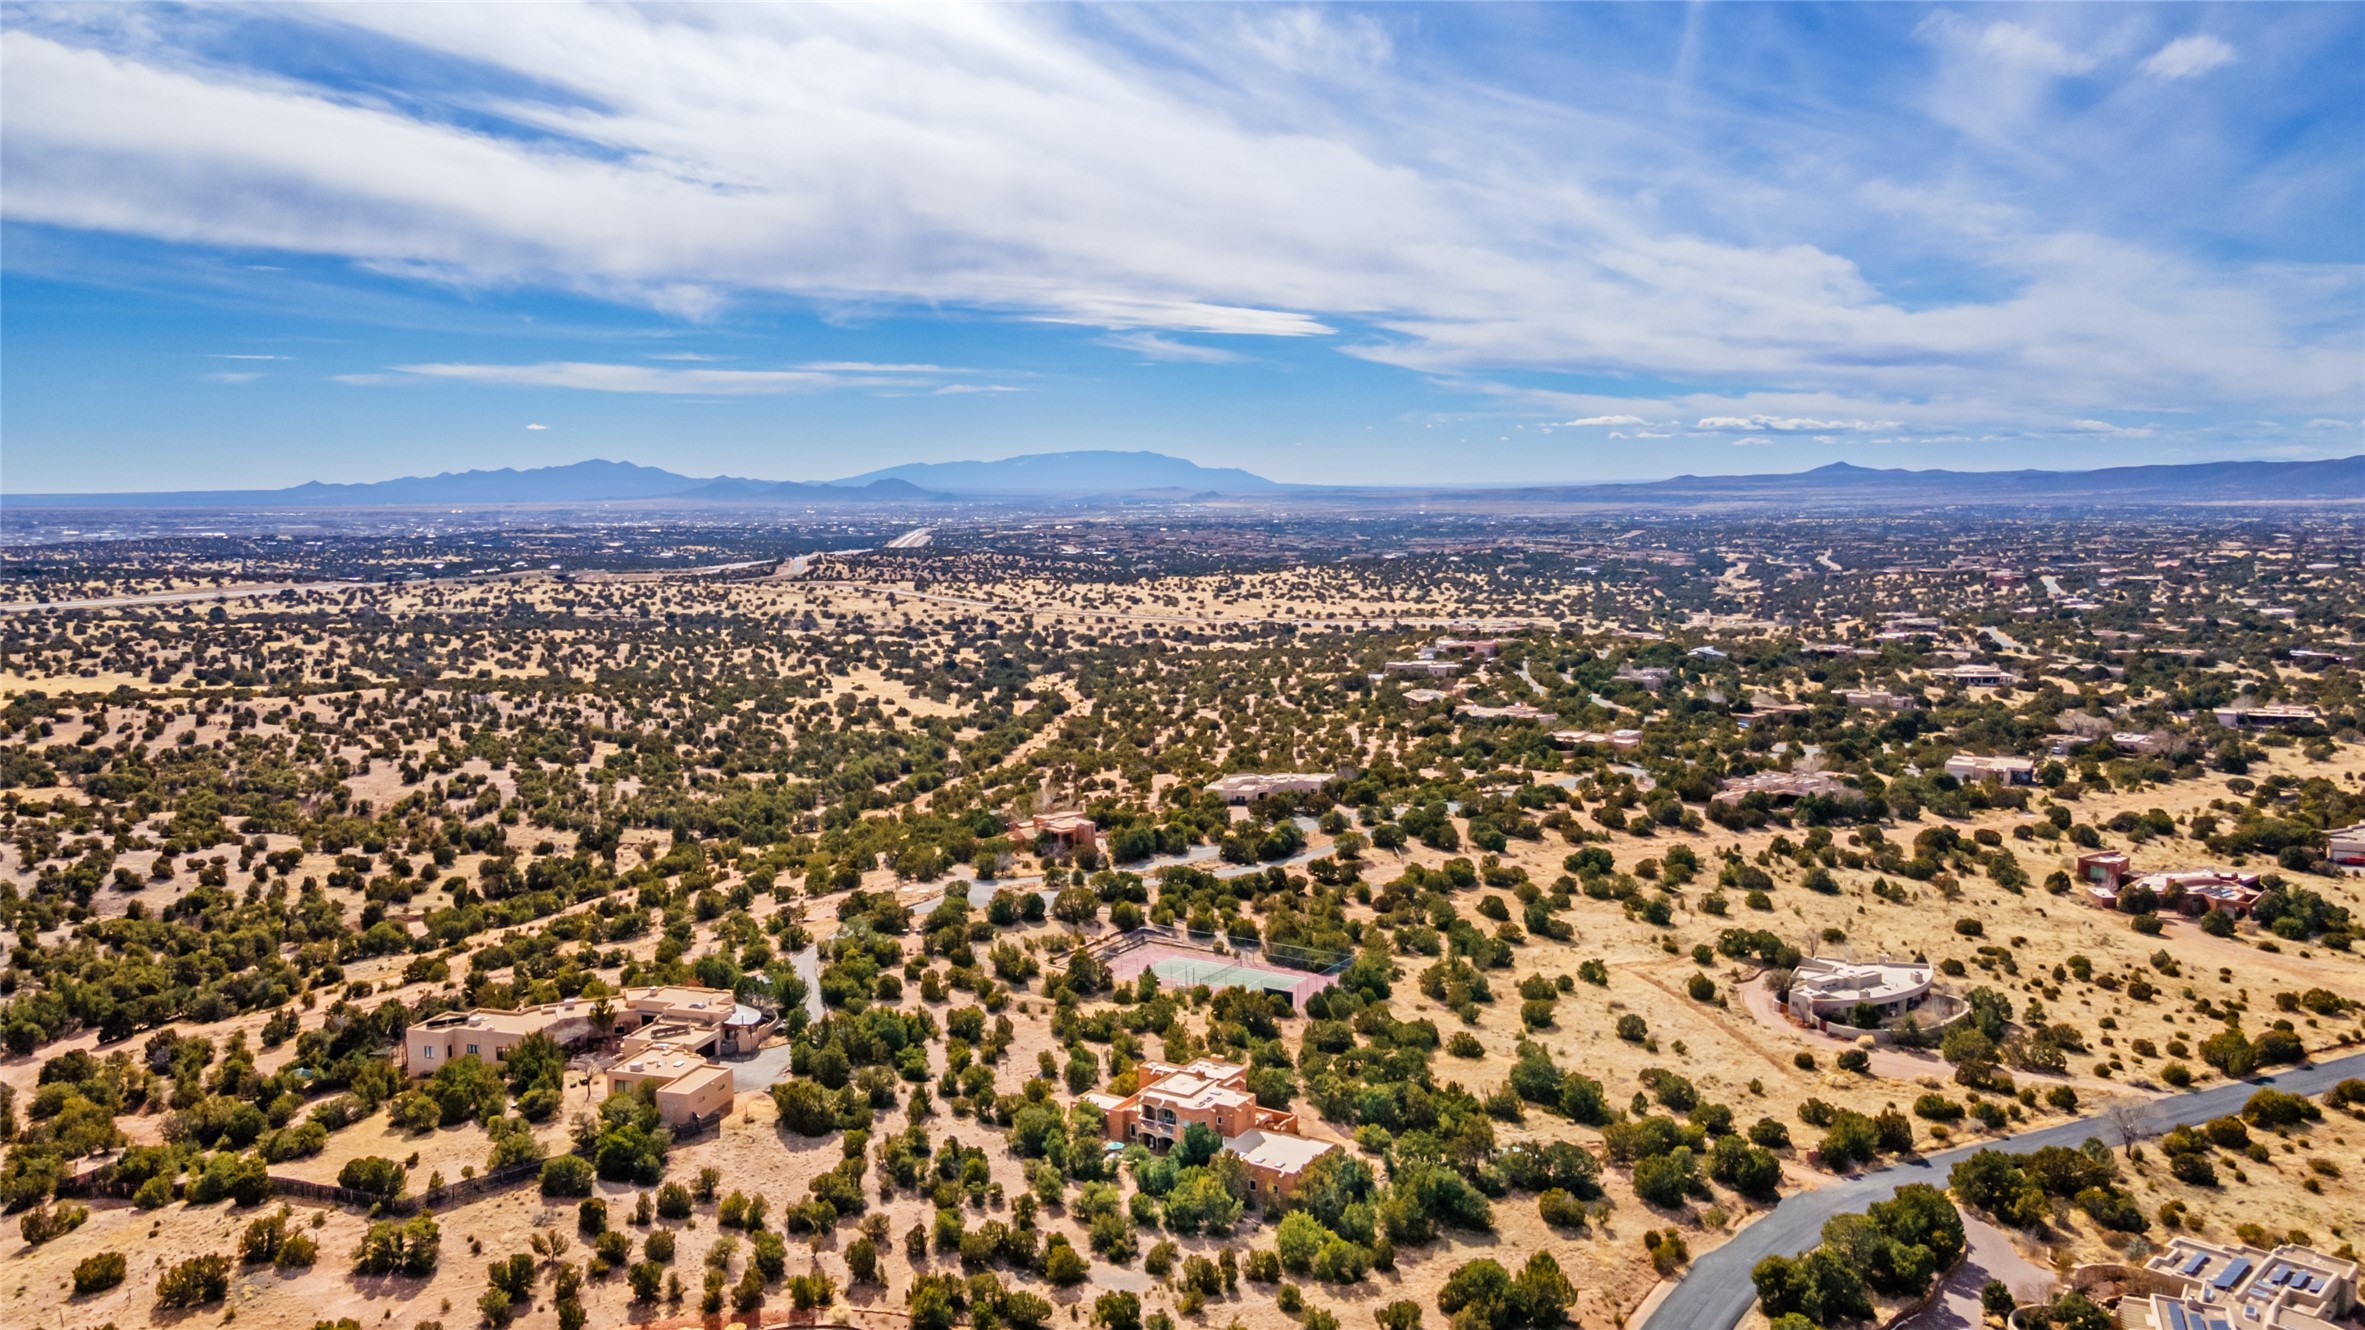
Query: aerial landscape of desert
{"x": 1536, "y": 885}
{"x": 1155, "y": 666}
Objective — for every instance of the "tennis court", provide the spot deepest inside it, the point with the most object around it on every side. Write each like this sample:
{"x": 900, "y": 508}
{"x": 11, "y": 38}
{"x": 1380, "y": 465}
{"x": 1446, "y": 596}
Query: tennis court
{"x": 1187, "y": 967}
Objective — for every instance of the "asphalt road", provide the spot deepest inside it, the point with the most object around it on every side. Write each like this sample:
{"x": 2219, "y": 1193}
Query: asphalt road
{"x": 1717, "y": 1292}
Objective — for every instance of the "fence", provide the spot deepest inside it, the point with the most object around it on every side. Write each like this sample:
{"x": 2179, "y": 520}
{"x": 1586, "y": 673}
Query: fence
{"x": 1312, "y": 959}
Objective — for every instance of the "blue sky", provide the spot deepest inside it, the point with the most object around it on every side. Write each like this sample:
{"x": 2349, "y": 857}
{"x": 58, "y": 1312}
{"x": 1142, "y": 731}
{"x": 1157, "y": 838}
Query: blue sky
{"x": 1400, "y": 244}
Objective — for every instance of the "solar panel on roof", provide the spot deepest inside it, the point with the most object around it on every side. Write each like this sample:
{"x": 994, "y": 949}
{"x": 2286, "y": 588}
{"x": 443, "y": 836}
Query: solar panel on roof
{"x": 2176, "y": 1319}
{"x": 2193, "y": 1263}
{"x": 2232, "y": 1274}
{"x": 2220, "y": 1323}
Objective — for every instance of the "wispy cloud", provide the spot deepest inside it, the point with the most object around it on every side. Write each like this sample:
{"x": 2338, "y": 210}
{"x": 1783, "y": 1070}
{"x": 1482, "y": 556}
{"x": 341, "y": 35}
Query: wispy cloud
{"x": 1303, "y": 179}
{"x": 537, "y": 427}
{"x": 616, "y": 377}
{"x": 235, "y": 376}
{"x": 595, "y": 377}
{"x": 2108, "y": 429}
{"x": 1151, "y": 346}
{"x": 244, "y": 355}
{"x": 1587, "y": 422}
{"x": 2187, "y": 57}
{"x": 1791, "y": 424}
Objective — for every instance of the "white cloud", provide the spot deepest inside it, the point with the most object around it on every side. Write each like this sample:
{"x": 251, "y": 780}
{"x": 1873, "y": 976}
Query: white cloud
{"x": 2326, "y": 422}
{"x": 235, "y": 376}
{"x": 243, "y": 355}
{"x": 537, "y": 427}
{"x": 2109, "y": 430}
{"x": 610, "y": 378}
{"x": 1021, "y": 161}
{"x": 1154, "y": 347}
{"x": 2187, "y": 57}
{"x": 2018, "y": 44}
{"x": 1589, "y": 421}
{"x": 959, "y": 389}
{"x": 1791, "y": 424}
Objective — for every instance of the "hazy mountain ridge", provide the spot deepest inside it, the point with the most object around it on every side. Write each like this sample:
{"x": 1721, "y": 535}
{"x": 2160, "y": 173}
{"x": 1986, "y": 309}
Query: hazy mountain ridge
{"x": 2185, "y": 482}
{"x": 1087, "y": 472}
{"x": 1147, "y": 476}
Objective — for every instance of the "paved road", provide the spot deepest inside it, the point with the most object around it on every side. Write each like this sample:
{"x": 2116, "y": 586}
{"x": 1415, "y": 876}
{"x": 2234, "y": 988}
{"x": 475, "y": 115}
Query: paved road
{"x": 1717, "y": 1292}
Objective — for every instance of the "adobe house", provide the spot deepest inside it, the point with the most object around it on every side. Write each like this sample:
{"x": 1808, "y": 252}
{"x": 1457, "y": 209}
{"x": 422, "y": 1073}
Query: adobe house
{"x": 1212, "y": 1094}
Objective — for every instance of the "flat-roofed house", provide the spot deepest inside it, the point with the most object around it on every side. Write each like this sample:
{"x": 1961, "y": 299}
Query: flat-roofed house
{"x": 687, "y": 1087}
{"x": 2266, "y": 718}
{"x": 1823, "y": 989}
{"x": 1432, "y": 669}
{"x": 2346, "y": 846}
{"x": 1515, "y": 711}
{"x": 1993, "y": 770}
{"x": 667, "y": 1033}
{"x": 1765, "y": 709}
{"x": 2229, "y": 1285}
{"x": 1979, "y": 676}
{"x": 1247, "y": 787}
{"x": 1484, "y": 647}
{"x": 2100, "y": 872}
{"x": 1169, "y": 1100}
{"x": 1068, "y": 832}
{"x": 696, "y": 1017}
{"x": 1780, "y": 786}
{"x": 1875, "y": 699}
{"x": 2196, "y": 891}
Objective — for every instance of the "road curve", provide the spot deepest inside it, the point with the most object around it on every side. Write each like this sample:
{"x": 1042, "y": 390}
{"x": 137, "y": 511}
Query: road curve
{"x": 1716, "y": 1293}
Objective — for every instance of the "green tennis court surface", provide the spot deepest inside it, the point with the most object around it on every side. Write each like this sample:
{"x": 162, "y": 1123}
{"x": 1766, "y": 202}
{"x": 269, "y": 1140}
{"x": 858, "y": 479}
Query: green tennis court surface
{"x": 1189, "y": 973}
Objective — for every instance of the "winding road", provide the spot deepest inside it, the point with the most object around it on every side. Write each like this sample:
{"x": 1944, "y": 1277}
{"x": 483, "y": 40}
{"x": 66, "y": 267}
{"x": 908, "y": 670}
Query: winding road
{"x": 1716, "y": 1293}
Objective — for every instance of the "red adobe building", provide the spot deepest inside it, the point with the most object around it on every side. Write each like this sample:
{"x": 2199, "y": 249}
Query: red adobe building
{"x": 1212, "y": 1094}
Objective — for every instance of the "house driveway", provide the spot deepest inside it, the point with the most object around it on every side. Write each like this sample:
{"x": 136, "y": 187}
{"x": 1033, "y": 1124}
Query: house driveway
{"x": 1991, "y": 1256}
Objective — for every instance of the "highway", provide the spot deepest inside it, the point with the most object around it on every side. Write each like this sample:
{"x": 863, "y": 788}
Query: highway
{"x": 1716, "y": 1292}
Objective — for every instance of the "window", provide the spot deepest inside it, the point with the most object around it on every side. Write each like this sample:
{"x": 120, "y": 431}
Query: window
{"x": 427, "y": 1052}
{"x": 472, "y": 1050}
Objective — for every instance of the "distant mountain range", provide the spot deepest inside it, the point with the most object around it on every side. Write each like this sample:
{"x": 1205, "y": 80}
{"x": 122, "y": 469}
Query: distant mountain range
{"x": 1074, "y": 473}
{"x": 1049, "y": 475}
{"x": 1843, "y": 484}
{"x": 1117, "y": 475}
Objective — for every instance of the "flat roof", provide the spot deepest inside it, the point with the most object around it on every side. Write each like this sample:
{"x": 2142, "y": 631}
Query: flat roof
{"x": 1273, "y": 1150}
{"x": 705, "y": 1075}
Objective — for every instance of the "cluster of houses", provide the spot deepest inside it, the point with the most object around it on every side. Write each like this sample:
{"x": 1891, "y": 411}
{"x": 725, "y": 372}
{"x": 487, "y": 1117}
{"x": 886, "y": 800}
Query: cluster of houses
{"x": 2204, "y": 1285}
{"x": 669, "y": 1038}
{"x": 1443, "y": 658}
{"x": 1168, "y": 1100}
